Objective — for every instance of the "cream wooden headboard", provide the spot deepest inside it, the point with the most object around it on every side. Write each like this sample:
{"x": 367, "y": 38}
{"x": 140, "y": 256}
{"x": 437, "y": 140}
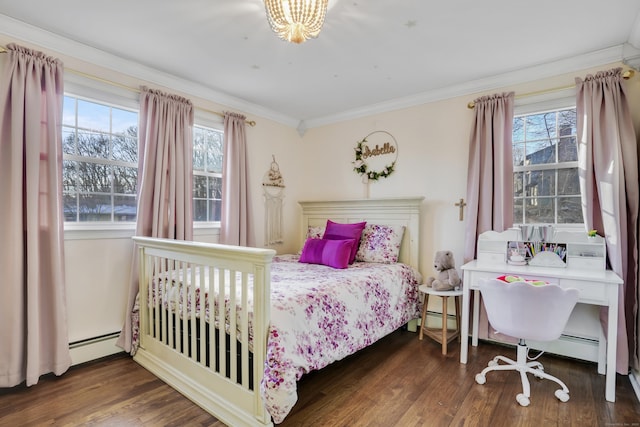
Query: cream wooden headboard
{"x": 387, "y": 211}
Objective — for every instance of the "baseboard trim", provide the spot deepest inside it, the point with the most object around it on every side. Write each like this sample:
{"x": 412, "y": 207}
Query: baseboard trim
{"x": 634, "y": 377}
{"x": 94, "y": 348}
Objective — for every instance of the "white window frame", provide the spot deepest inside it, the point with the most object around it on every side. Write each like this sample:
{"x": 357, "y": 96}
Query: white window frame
{"x": 548, "y": 101}
{"x": 121, "y": 96}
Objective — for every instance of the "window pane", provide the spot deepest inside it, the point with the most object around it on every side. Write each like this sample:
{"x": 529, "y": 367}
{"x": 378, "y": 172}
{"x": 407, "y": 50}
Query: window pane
{"x": 540, "y": 210}
{"x": 518, "y": 184}
{"x": 70, "y": 207}
{"x": 540, "y": 152}
{"x": 568, "y": 149}
{"x": 125, "y": 146}
{"x": 541, "y": 183}
{"x": 93, "y": 144}
{"x": 567, "y": 122}
{"x": 69, "y": 175}
{"x": 215, "y": 209}
{"x": 94, "y": 177}
{"x": 568, "y": 182}
{"x": 518, "y": 129}
{"x": 95, "y": 207}
{"x": 200, "y": 210}
{"x": 540, "y": 126}
{"x": 124, "y": 208}
{"x": 69, "y": 111}
{"x": 215, "y": 188}
{"x": 123, "y": 120}
{"x": 124, "y": 180}
{"x": 570, "y": 210}
{"x": 68, "y": 140}
{"x": 518, "y": 154}
{"x": 199, "y": 186}
{"x": 94, "y": 116}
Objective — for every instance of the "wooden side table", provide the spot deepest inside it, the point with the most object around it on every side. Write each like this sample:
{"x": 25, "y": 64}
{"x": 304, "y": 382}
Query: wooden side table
{"x": 443, "y": 335}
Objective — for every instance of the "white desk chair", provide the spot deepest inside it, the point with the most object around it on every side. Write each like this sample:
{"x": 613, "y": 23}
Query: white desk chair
{"x": 526, "y": 311}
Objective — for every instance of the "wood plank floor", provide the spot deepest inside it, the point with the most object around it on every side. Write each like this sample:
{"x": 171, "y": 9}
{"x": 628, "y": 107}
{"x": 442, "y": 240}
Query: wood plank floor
{"x": 399, "y": 381}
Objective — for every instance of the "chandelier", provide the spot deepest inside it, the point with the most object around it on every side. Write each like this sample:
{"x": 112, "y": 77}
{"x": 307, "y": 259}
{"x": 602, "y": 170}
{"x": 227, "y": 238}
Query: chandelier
{"x": 296, "y": 20}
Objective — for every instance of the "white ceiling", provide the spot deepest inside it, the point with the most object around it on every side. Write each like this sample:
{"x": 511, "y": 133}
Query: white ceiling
{"x": 371, "y": 56}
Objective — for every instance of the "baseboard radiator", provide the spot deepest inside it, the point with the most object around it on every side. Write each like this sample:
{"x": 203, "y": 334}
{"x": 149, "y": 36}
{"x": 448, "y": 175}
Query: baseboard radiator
{"x": 94, "y": 348}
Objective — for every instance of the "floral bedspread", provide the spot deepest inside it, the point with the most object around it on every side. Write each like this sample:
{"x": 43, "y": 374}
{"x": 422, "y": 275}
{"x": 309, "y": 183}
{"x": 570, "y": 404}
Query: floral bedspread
{"x": 320, "y": 315}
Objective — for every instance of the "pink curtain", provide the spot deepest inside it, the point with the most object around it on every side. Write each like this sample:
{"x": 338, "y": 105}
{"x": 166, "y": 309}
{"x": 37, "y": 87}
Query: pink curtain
{"x": 608, "y": 166}
{"x": 165, "y": 180}
{"x": 33, "y": 320}
{"x": 236, "y": 226}
{"x": 490, "y": 176}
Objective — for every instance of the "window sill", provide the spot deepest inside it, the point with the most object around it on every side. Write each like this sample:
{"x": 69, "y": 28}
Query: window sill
{"x": 98, "y": 231}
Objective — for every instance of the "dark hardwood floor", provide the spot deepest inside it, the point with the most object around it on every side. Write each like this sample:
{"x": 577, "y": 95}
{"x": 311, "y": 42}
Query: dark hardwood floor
{"x": 399, "y": 381}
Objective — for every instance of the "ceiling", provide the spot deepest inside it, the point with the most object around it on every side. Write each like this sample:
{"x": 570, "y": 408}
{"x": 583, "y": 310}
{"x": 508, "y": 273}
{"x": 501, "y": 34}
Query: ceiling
{"x": 371, "y": 56}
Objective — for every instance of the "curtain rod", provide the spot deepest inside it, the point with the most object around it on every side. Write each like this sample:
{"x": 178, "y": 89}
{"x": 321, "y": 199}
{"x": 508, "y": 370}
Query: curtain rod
{"x": 626, "y": 75}
{"x": 133, "y": 89}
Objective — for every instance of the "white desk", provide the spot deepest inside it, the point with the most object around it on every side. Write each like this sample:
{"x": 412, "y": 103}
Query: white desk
{"x": 597, "y": 287}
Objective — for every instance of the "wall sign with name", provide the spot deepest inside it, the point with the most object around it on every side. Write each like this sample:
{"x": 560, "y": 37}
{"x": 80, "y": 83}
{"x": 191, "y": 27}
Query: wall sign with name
{"x": 376, "y": 156}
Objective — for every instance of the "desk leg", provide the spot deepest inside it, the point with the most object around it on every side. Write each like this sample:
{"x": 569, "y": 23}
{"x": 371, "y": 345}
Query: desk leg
{"x": 602, "y": 352}
{"x": 476, "y": 317}
{"x": 612, "y": 343}
{"x": 464, "y": 323}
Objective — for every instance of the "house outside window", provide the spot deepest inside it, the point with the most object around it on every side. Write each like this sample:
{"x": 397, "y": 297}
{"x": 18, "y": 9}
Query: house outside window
{"x": 545, "y": 164}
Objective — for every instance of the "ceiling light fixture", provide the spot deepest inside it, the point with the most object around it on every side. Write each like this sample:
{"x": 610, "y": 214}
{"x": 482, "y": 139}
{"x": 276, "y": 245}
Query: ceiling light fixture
{"x": 296, "y": 20}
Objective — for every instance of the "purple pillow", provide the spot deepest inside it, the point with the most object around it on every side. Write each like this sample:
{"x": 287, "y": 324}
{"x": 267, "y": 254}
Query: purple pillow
{"x": 337, "y": 231}
{"x": 334, "y": 253}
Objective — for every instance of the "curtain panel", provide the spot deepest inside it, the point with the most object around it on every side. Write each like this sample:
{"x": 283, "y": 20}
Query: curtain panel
{"x": 608, "y": 168}
{"x": 165, "y": 182}
{"x": 33, "y": 317}
{"x": 236, "y": 224}
{"x": 490, "y": 177}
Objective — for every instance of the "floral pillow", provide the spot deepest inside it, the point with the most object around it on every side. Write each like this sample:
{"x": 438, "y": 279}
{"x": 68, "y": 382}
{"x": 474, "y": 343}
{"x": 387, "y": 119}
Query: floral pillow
{"x": 315, "y": 232}
{"x": 380, "y": 243}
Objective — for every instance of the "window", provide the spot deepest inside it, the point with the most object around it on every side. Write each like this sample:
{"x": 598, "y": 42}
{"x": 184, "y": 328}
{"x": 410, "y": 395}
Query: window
{"x": 100, "y": 161}
{"x": 545, "y": 164}
{"x": 100, "y": 164}
{"x": 207, "y": 174}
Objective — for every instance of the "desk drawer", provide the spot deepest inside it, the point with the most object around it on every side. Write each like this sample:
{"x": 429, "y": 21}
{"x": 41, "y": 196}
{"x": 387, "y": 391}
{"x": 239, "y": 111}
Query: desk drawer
{"x": 594, "y": 292}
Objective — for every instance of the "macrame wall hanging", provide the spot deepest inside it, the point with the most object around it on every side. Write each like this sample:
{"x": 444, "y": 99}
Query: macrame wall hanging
{"x": 273, "y": 186}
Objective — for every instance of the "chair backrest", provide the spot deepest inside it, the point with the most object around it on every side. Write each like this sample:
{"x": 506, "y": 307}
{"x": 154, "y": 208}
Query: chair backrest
{"x": 523, "y": 310}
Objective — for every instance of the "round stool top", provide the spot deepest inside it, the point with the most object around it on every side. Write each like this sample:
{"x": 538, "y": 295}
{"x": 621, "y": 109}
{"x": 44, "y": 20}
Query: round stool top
{"x": 429, "y": 290}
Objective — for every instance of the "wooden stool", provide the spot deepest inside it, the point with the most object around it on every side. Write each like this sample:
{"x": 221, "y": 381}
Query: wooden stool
{"x": 444, "y": 335}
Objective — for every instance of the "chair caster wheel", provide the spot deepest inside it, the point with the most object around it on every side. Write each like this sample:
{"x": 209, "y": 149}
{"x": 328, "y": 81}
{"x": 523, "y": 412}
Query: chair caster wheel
{"x": 522, "y": 399}
{"x": 481, "y": 379}
{"x": 562, "y": 395}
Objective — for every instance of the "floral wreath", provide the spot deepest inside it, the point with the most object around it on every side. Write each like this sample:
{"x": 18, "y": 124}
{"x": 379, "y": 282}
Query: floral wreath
{"x": 361, "y": 167}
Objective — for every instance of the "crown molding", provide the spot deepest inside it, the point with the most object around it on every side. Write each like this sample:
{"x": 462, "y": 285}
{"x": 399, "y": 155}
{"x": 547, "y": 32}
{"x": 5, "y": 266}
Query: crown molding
{"x": 38, "y": 37}
{"x": 53, "y": 42}
{"x": 537, "y": 72}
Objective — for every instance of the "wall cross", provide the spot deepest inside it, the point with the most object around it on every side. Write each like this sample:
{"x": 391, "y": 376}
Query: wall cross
{"x": 461, "y": 204}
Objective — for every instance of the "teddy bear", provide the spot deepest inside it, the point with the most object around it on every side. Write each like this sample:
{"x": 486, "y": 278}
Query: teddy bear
{"x": 447, "y": 278}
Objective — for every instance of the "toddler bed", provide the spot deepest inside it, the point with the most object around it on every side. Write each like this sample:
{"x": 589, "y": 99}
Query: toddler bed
{"x": 234, "y": 328}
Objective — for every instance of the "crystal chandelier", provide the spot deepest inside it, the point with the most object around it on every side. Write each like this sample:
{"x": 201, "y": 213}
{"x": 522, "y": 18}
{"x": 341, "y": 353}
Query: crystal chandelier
{"x": 296, "y": 20}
